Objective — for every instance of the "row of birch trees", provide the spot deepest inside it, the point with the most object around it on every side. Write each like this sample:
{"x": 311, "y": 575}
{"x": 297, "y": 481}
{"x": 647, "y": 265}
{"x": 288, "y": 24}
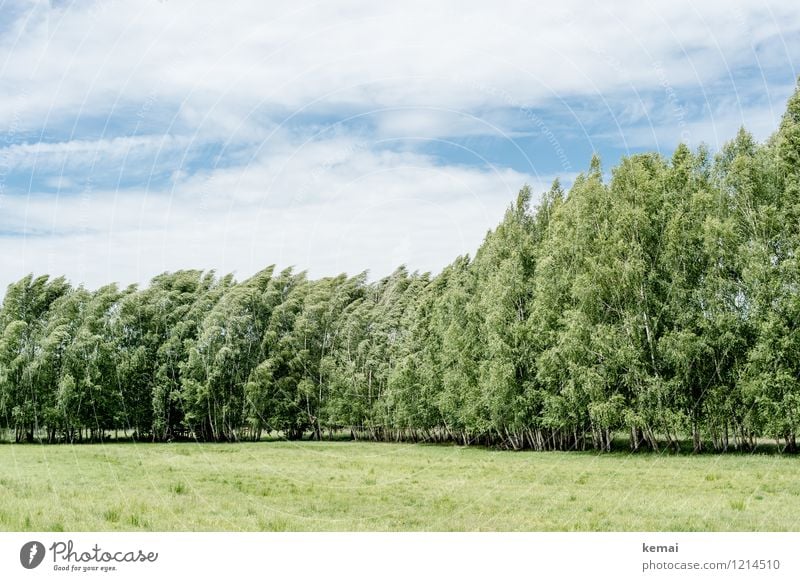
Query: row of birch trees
{"x": 658, "y": 303}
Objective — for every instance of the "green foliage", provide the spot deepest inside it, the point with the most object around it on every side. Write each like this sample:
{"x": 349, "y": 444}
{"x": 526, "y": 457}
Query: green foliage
{"x": 660, "y": 301}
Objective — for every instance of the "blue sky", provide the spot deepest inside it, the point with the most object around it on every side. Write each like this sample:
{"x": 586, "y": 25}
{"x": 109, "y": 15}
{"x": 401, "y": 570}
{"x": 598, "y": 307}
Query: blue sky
{"x": 138, "y": 137}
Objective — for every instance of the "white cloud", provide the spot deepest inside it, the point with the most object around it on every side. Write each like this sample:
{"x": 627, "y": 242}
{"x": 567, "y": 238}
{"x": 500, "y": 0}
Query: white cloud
{"x": 327, "y": 207}
{"x": 226, "y": 63}
{"x": 78, "y": 153}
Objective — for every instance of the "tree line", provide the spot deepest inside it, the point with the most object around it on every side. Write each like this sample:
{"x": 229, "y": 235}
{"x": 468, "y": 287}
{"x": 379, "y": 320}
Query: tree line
{"x": 659, "y": 303}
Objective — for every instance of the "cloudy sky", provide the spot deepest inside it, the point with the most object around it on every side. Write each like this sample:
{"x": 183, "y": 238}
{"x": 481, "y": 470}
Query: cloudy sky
{"x": 144, "y": 136}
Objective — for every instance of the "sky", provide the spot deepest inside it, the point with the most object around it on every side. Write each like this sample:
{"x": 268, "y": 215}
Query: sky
{"x": 138, "y": 137}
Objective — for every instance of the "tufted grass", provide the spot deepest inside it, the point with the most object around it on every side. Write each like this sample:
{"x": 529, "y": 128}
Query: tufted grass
{"x": 357, "y": 486}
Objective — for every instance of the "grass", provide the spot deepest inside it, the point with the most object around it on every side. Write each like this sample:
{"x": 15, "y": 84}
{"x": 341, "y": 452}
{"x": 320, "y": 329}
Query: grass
{"x": 348, "y": 486}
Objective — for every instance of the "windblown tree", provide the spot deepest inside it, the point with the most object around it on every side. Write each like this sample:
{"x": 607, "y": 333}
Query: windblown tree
{"x": 367, "y": 349}
{"x": 769, "y": 177}
{"x": 504, "y": 268}
{"x": 275, "y": 393}
{"x": 150, "y": 329}
{"x": 222, "y": 357}
{"x": 27, "y": 387}
{"x": 88, "y": 396}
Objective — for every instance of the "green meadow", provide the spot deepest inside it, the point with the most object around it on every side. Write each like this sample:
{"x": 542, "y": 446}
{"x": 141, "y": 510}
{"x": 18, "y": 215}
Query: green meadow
{"x": 355, "y": 486}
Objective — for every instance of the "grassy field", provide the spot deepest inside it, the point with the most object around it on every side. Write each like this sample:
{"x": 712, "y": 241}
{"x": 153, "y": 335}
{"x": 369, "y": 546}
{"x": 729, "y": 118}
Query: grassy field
{"x": 344, "y": 486}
